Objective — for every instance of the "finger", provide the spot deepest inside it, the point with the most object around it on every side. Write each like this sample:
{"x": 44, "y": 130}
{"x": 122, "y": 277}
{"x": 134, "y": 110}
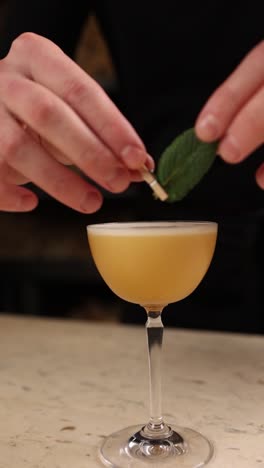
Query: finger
{"x": 9, "y": 175}
{"x": 44, "y": 62}
{"x": 231, "y": 96}
{"x": 13, "y": 198}
{"x": 246, "y": 132}
{"x": 260, "y": 176}
{"x": 135, "y": 176}
{"x": 27, "y": 157}
{"x": 57, "y": 123}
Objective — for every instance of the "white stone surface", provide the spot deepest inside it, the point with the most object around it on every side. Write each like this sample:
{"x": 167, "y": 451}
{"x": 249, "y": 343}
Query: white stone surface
{"x": 64, "y": 385}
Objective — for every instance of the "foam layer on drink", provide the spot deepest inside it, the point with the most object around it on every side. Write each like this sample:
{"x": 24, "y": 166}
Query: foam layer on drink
{"x": 153, "y": 228}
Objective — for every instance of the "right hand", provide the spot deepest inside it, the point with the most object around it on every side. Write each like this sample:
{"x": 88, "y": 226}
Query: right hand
{"x": 52, "y": 115}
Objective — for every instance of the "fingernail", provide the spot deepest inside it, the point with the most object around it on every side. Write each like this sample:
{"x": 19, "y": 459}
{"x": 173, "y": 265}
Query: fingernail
{"x": 208, "y": 127}
{"x": 118, "y": 180}
{"x": 229, "y": 149}
{"x": 91, "y": 202}
{"x": 134, "y": 157}
{"x": 150, "y": 163}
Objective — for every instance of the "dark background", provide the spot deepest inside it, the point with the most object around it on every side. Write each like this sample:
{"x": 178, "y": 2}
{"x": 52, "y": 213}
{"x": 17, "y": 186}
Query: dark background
{"x": 160, "y": 84}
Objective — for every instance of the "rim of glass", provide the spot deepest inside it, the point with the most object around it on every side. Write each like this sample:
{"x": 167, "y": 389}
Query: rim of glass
{"x": 118, "y": 226}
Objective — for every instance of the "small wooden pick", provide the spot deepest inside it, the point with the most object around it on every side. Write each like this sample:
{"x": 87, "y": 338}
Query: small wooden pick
{"x": 153, "y": 183}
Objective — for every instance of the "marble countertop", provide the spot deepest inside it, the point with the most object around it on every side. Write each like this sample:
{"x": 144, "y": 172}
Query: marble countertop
{"x": 64, "y": 385}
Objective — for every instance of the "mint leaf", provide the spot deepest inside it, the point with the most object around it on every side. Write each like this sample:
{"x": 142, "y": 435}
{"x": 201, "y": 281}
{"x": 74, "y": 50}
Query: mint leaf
{"x": 184, "y": 163}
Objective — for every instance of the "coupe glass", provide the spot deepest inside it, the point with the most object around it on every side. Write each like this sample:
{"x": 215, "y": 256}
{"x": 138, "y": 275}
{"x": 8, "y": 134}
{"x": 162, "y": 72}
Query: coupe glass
{"x": 154, "y": 264}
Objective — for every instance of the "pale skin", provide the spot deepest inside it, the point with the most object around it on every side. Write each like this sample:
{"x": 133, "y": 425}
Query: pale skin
{"x": 54, "y": 115}
{"x": 234, "y": 114}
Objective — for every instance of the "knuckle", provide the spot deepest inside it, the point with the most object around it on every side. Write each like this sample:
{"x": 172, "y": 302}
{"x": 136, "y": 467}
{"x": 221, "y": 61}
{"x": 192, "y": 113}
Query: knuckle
{"x": 42, "y": 112}
{"x": 12, "y": 85}
{"x": 74, "y": 91}
{"x": 9, "y": 84}
{"x": 24, "y": 41}
{"x": 32, "y": 43}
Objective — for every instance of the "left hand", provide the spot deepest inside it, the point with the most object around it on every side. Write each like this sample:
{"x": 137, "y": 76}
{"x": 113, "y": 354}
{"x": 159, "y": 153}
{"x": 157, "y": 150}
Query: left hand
{"x": 234, "y": 113}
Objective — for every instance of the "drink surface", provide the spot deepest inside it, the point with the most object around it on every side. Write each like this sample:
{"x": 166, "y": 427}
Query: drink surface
{"x": 152, "y": 263}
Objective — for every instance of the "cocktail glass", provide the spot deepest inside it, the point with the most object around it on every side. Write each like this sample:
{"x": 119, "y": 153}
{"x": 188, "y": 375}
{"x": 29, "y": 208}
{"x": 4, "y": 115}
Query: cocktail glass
{"x": 154, "y": 264}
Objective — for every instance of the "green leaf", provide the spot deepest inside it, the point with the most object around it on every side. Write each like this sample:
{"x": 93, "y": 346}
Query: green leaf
{"x": 184, "y": 163}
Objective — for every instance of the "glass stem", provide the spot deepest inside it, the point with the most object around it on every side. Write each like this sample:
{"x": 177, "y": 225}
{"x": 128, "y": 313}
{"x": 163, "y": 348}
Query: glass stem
{"x": 154, "y": 327}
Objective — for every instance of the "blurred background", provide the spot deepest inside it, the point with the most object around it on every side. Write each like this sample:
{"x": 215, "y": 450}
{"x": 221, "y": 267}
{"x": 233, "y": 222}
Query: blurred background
{"x": 45, "y": 264}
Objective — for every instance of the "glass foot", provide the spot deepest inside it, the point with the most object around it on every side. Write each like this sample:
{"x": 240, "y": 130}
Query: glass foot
{"x": 183, "y": 448}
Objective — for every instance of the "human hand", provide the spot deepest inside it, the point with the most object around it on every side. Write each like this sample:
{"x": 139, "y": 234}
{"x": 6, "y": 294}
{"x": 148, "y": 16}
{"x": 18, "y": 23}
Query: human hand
{"x": 234, "y": 113}
{"x": 52, "y": 115}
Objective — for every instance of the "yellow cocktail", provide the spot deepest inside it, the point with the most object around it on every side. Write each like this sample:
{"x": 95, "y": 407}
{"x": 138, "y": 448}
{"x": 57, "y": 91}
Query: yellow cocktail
{"x": 154, "y": 264}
